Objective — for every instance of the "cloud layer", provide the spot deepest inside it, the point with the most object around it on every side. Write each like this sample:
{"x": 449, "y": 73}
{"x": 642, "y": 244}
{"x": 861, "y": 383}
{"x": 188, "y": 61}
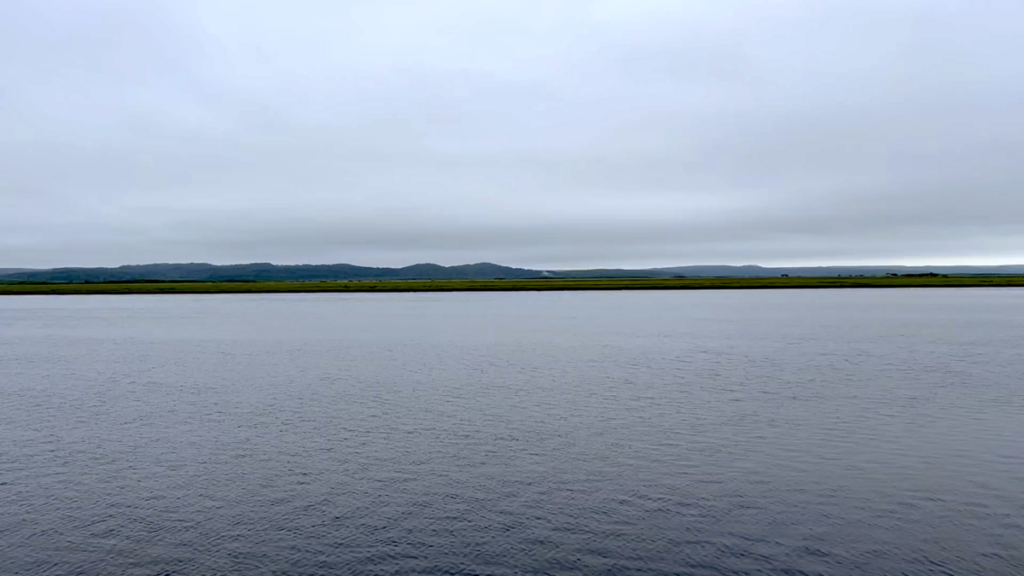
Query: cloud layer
{"x": 531, "y": 133}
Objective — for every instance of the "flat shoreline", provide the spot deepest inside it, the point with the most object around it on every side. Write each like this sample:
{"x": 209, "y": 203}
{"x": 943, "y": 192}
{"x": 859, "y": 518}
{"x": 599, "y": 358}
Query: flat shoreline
{"x": 531, "y": 285}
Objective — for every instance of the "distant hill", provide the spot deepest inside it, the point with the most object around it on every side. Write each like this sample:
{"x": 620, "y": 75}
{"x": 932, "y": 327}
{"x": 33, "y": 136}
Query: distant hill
{"x": 6, "y": 271}
{"x": 266, "y": 271}
{"x": 483, "y": 270}
{"x": 751, "y": 271}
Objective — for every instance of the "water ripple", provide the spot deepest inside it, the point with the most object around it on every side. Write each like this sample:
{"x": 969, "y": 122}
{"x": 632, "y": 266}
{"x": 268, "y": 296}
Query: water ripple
{"x": 833, "y": 432}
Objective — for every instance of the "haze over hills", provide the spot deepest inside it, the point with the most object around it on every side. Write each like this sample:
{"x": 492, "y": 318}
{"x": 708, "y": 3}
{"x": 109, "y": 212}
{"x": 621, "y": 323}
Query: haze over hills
{"x": 759, "y": 271}
{"x": 483, "y": 270}
{"x": 753, "y": 271}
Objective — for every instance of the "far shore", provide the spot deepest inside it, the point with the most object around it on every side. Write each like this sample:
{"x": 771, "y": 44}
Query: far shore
{"x": 554, "y": 284}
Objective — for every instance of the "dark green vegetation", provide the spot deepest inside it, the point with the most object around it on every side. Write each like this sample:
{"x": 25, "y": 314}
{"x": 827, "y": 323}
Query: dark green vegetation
{"x": 507, "y": 285}
{"x": 483, "y": 271}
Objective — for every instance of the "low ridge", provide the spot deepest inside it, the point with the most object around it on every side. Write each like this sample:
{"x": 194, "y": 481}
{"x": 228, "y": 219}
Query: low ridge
{"x": 265, "y": 271}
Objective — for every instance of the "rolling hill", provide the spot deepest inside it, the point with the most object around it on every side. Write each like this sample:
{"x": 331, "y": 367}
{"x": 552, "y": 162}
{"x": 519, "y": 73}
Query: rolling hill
{"x": 262, "y": 271}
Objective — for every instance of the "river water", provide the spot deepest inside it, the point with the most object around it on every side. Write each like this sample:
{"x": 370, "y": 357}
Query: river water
{"x": 722, "y": 432}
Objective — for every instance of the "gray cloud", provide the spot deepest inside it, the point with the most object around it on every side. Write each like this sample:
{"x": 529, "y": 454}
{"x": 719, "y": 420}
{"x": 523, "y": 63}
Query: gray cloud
{"x": 562, "y": 134}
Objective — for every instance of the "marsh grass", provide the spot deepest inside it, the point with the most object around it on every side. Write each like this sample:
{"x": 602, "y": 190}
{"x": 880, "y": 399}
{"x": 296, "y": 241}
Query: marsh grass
{"x": 179, "y": 287}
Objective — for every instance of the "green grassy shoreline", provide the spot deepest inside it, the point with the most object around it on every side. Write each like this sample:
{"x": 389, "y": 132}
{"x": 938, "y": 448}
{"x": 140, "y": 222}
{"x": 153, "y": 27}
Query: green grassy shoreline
{"x": 13, "y": 289}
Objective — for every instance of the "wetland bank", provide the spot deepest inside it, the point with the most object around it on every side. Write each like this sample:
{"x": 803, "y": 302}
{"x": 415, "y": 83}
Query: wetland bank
{"x": 509, "y": 285}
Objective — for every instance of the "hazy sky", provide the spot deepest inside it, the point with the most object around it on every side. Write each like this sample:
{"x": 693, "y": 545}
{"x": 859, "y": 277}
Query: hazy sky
{"x": 549, "y": 133}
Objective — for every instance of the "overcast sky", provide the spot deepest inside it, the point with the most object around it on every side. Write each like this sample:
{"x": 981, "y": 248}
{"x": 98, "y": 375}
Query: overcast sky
{"x": 549, "y": 133}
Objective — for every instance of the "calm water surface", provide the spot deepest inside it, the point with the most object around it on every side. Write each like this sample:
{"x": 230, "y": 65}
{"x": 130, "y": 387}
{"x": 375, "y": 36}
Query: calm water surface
{"x": 779, "y": 432}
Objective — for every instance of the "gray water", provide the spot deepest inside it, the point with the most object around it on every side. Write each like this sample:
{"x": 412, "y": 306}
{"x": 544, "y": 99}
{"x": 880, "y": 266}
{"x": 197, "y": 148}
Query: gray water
{"x": 747, "y": 432}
